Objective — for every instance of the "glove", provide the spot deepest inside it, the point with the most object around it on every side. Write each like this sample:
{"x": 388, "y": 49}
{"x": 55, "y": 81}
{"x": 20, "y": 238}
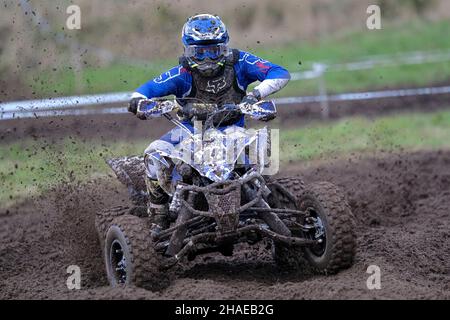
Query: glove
{"x": 151, "y": 109}
{"x": 251, "y": 98}
{"x": 141, "y": 116}
{"x": 133, "y": 105}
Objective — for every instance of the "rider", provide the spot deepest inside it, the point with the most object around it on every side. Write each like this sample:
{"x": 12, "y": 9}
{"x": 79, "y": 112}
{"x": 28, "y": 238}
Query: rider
{"x": 208, "y": 70}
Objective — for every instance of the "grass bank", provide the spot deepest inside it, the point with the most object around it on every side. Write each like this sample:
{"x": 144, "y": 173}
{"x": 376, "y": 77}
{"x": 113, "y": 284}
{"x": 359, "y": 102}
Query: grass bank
{"x": 414, "y": 36}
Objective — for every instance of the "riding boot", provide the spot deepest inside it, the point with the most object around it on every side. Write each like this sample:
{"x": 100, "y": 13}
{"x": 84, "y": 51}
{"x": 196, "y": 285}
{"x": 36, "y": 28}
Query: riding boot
{"x": 157, "y": 206}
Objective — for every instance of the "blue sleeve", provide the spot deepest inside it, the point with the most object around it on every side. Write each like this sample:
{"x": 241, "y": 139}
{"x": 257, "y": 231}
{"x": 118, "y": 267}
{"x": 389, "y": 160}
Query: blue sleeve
{"x": 176, "y": 81}
{"x": 253, "y": 68}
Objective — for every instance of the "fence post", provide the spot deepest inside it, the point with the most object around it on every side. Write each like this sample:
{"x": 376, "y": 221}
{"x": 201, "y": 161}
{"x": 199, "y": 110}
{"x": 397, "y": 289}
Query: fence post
{"x": 77, "y": 65}
{"x": 320, "y": 69}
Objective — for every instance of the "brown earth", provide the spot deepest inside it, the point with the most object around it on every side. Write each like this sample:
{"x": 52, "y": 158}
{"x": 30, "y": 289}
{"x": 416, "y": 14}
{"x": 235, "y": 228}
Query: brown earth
{"x": 400, "y": 201}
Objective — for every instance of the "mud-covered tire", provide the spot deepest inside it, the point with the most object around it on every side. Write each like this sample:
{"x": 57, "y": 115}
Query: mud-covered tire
{"x": 330, "y": 204}
{"x": 287, "y": 192}
{"x": 294, "y": 188}
{"x": 104, "y": 218}
{"x": 142, "y": 263}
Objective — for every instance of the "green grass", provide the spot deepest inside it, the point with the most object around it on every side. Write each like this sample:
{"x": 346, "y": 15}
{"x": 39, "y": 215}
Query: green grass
{"x": 115, "y": 78}
{"x": 414, "y": 36}
{"x": 374, "y": 79}
{"x": 402, "y": 132}
{"x": 30, "y": 167}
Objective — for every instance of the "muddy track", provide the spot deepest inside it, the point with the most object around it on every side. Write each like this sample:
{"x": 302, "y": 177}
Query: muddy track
{"x": 400, "y": 201}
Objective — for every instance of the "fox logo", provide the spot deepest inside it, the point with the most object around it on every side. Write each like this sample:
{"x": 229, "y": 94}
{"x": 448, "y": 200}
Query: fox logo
{"x": 216, "y": 85}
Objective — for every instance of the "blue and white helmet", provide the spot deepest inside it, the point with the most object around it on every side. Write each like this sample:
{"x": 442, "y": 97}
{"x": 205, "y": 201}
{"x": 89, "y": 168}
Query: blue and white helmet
{"x": 204, "y": 29}
{"x": 205, "y": 39}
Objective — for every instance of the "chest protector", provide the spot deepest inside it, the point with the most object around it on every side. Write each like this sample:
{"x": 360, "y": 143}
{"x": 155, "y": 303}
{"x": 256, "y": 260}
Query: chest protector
{"x": 219, "y": 89}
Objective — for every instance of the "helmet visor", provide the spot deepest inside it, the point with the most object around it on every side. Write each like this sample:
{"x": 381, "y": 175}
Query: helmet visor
{"x": 201, "y": 52}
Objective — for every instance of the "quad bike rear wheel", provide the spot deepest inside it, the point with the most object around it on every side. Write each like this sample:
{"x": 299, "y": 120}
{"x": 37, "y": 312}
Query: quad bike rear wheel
{"x": 331, "y": 220}
{"x": 130, "y": 257}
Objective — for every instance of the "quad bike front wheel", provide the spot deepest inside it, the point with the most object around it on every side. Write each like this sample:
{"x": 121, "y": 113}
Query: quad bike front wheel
{"x": 105, "y": 217}
{"x": 334, "y": 225}
{"x": 330, "y": 221}
{"x": 129, "y": 255}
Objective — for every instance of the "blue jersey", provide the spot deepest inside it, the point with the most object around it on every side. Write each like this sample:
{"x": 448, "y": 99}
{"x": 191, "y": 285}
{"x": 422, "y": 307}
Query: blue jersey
{"x": 178, "y": 80}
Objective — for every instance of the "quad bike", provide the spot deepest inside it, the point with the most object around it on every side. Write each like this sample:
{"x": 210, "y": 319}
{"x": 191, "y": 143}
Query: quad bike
{"x": 216, "y": 203}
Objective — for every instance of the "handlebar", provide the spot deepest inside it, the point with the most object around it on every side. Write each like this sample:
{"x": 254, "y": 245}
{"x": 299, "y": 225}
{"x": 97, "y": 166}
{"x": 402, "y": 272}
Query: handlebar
{"x": 151, "y": 108}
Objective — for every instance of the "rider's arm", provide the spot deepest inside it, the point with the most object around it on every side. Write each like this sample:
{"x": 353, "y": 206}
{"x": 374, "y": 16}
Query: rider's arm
{"x": 272, "y": 77}
{"x": 176, "y": 81}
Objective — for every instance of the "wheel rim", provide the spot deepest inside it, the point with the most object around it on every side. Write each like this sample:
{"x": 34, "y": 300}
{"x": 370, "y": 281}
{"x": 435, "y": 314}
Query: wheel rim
{"x": 317, "y": 232}
{"x": 118, "y": 262}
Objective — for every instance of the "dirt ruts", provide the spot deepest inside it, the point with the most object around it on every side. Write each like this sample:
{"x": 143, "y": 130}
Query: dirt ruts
{"x": 401, "y": 202}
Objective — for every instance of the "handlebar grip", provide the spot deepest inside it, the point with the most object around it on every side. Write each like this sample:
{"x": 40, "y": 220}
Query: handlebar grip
{"x": 149, "y": 108}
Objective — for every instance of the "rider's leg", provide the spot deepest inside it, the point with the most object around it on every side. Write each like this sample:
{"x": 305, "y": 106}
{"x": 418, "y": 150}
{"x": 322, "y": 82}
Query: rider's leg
{"x": 156, "y": 172}
{"x": 157, "y": 203}
{"x": 157, "y": 197}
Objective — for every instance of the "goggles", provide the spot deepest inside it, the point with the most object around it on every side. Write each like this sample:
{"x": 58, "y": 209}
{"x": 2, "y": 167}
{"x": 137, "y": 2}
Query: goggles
{"x": 201, "y": 52}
